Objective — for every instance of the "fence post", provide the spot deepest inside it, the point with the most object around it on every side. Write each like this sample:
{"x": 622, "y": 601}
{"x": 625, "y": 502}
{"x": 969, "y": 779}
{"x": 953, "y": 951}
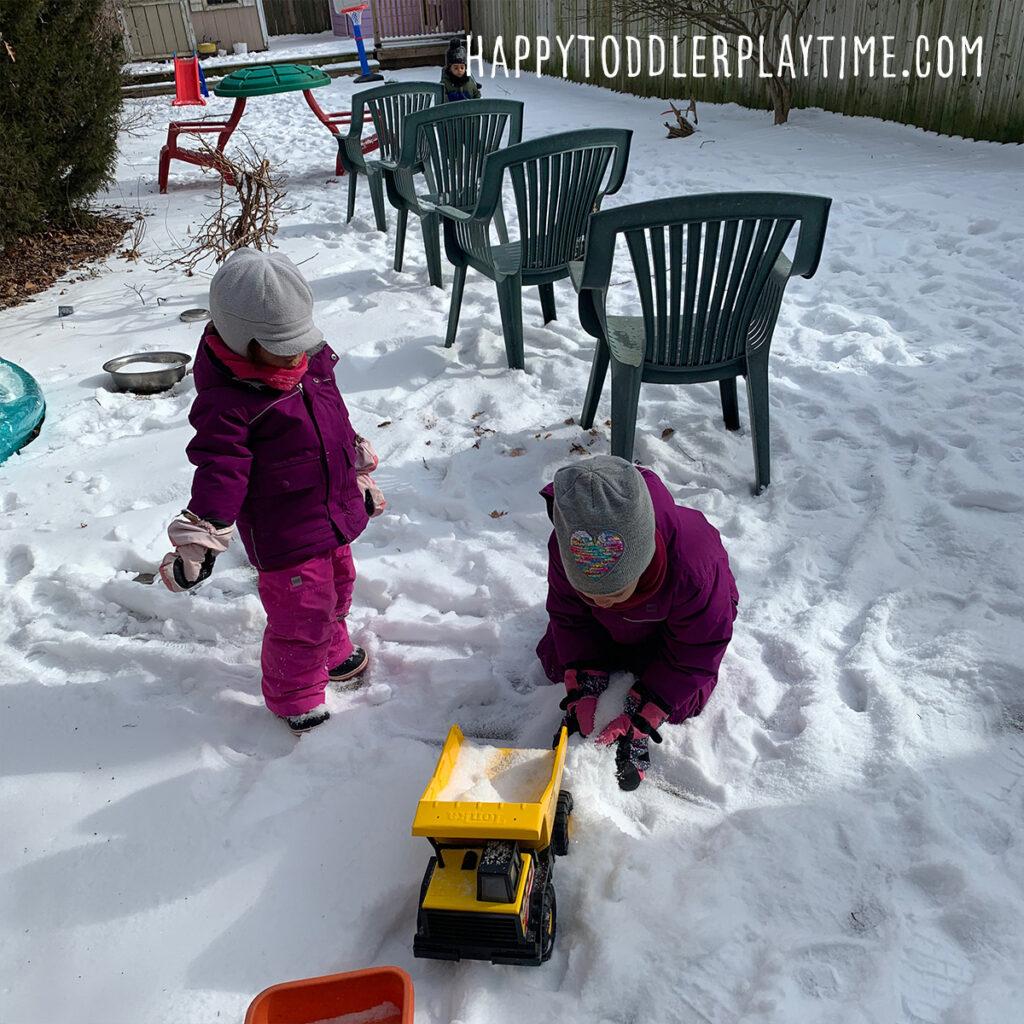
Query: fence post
{"x": 378, "y": 26}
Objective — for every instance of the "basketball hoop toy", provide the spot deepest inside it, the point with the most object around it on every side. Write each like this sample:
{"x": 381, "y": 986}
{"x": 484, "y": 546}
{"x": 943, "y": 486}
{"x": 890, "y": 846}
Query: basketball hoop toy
{"x": 355, "y": 15}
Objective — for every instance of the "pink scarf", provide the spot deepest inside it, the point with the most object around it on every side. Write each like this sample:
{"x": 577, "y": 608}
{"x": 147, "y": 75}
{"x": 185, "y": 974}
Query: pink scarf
{"x": 280, "y": 378}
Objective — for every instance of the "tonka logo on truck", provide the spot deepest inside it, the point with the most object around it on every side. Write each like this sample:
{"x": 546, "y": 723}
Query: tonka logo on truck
{"x": 467, "y": 816}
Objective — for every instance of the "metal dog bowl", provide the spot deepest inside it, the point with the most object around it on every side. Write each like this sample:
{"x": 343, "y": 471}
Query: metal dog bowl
{"x": 145, "y": 373}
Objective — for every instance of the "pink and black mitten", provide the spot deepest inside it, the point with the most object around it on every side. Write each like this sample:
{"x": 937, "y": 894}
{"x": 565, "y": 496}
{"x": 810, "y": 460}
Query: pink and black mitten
{"x": 197, "y": 543}
{"x": 582, "y": 688}
{"x": 642, "y": 713}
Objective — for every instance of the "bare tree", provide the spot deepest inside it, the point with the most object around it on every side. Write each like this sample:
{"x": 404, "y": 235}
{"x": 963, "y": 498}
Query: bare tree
{"x": 769, "y": 20}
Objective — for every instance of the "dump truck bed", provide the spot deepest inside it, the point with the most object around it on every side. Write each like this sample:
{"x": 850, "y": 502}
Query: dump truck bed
{"x": 519, "y": 786}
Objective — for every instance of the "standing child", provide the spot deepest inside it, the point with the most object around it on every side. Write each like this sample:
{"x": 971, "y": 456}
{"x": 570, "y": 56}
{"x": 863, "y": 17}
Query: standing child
{"x": 455, "y": 78}
{"x": 635, "y": 582}
{"x": 275, "y": 454}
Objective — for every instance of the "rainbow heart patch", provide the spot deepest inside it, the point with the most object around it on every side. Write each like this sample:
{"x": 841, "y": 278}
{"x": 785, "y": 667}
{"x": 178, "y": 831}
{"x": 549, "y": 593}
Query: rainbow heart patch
{"x": 596, "y": 555}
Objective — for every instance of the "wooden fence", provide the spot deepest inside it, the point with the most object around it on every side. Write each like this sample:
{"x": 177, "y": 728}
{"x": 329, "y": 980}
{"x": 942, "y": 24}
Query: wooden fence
{"x": 989, "y": 106}
{"x": 404, "y": 19}
{"x": 302, "y": 17}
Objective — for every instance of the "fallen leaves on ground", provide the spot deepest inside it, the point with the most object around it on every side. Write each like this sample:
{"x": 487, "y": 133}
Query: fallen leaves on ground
{"x": 33, "y": 263}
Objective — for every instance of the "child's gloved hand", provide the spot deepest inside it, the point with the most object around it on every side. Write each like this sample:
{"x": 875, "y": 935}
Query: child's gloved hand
{"x": 583, "y": 686}
{"x": 373, "y": 498}
{"x": 642, "y": 713}
{"x": 197, "y": 543}
{"x": 367, "y": 459}
{"x": 366, "y": 462}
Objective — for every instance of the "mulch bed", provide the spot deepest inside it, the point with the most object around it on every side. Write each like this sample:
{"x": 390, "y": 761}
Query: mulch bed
{"x": 35, "y": 262}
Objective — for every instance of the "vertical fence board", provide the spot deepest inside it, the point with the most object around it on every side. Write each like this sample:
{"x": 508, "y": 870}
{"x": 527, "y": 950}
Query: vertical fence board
{"x": 298, "y": 17}
{"x": 1007, "y": 106}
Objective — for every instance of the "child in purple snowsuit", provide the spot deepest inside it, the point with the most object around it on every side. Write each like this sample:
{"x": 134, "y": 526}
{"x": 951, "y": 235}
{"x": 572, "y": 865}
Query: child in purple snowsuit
{"x": 635, "y": 582}
{"x": 276, "y": 455}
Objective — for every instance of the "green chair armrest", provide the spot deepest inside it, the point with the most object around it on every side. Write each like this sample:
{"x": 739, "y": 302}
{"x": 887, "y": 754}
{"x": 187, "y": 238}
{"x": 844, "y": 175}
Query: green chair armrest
{"x": 452, "y": 213}
{"x": 576, "y": 273}
{"x": 782, "y": 271}
{"x": 627, "y": 339}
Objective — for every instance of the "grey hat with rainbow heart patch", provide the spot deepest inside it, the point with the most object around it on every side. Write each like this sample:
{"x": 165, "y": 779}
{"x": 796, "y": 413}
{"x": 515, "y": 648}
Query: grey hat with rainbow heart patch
{"x": 604, "y": 524}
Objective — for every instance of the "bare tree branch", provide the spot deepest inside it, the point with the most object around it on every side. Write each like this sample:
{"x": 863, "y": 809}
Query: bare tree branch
{"x": 767, "y": 19}
{"x": 249, "y": 219}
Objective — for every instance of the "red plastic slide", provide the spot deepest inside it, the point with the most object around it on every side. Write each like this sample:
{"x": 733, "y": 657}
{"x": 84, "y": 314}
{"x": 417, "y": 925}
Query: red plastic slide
{"x": 189, "y": 86}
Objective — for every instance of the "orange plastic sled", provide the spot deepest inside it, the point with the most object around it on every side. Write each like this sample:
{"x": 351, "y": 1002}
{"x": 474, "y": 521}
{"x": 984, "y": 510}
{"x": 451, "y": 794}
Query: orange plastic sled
{"x": 387, "y": 990}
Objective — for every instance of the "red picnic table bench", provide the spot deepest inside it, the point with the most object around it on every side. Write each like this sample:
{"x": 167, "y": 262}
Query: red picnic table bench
{"x": 261, "y": 80}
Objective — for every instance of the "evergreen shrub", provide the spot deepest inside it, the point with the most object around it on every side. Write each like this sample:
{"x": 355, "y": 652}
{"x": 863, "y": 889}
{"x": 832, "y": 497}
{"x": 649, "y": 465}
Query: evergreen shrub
{"x": 60, "y": 100}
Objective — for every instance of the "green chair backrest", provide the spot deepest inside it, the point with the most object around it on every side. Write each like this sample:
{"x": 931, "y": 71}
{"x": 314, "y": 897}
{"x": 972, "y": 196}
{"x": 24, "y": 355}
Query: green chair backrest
{"x": 709, "y": 269}
{"x": 558, "y": 182}
{"x": 389, "y": 105}
{"x": 452, "y": 141}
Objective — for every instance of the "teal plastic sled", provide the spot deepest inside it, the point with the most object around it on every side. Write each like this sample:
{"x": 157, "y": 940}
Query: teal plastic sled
{"x": 21, "y": 408}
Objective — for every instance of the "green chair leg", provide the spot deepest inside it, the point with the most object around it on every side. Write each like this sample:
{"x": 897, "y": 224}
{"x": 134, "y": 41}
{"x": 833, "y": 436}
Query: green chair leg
{"x": 730, "y": 408}
{"x": 760, "y": 432}
{"x": 598, "y": 370}
{"x": 547, "y": 301}
{"x": 403, "y": 220}
{"x": 510, "y": 303}
{"x": 431, "y": 225}
{"x": 458, "y": 284}
{"x": 377, "y": 195}
{"x": 353, "y": 177}
{"x": 625, "y": 398}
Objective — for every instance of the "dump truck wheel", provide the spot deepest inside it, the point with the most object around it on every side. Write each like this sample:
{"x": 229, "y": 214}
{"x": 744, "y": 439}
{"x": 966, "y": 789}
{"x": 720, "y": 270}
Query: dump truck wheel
{"x": 560, "y": 826}
{"x": 548, "y": 923}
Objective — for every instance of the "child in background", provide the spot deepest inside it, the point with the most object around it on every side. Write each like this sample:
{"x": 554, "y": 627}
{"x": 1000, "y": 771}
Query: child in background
{"x": 635, "y": 582}
{"x": 275, "y": 454}
{"x": 455, "y": 79}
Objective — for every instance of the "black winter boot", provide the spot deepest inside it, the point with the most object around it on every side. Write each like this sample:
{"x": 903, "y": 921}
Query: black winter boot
{"x": 354, "y": 665}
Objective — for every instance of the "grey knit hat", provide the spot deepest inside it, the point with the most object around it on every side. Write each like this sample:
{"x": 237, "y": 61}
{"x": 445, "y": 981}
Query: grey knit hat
{"x": 262, "y": 295}
{"x": 604, "y": 524}
{"x": 456, "y": 53}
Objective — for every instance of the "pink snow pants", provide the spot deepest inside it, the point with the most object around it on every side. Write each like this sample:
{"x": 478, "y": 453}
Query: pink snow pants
{"x": 306, "y": 632}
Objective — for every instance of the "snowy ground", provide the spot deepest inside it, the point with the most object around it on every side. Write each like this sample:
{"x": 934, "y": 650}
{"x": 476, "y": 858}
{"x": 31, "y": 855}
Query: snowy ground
{"x": 836, "y": 839}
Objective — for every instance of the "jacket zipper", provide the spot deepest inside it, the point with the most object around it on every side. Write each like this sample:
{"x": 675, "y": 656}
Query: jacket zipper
{"x": 308, "y": 402}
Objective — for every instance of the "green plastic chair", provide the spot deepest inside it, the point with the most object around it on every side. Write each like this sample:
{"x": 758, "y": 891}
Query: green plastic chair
{"x": 558, "y": 181}
{"x": 449, "y": 143}
{"x": 709, "y": 274}
{"x": 388, "y": 106}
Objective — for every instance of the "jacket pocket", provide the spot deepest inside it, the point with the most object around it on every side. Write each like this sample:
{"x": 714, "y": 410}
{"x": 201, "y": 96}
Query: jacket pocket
{"x": 284, "y": 480}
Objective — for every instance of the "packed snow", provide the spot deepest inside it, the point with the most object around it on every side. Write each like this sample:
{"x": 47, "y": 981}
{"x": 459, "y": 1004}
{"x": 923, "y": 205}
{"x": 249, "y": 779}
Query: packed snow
{"x": 835, "y": 839}
{"x": 488, "y": 774}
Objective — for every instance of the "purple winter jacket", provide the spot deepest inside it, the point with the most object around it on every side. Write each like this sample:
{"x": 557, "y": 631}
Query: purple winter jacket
{"x": 674, "y": 641}
{"x": 276, "y": 463}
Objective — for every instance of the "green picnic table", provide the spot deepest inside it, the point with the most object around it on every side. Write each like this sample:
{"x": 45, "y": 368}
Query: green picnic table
{"x": 259, "y": 80}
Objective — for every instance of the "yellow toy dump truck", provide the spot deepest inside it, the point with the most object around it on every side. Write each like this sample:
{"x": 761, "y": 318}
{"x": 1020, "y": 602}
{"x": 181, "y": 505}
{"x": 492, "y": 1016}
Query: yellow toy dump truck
{"x": 496, "y": 820}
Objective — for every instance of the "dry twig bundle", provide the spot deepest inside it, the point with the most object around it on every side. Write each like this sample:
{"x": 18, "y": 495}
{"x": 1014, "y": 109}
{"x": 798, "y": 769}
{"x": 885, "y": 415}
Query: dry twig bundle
{"x": 249, "y": 219}
{"x": 682, "y": 127}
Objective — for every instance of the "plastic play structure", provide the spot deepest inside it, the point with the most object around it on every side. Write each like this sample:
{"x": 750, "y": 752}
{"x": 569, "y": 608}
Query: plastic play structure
{"x": 488, "y": 893}
{"x": 355, "y": 15}
{"x": 241, "y": 85}
{"x": 189, "y": 82}
{"x": 21, "y": 408}
{"x": 383, "y": 995}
